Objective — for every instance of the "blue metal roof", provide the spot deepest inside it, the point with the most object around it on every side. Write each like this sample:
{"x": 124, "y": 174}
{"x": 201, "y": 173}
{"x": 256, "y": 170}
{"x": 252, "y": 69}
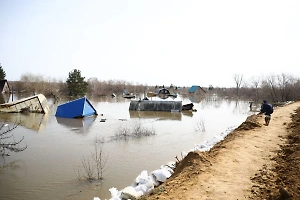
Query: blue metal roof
{"x": 193, "y": 88}
{"x": 77, "y": 108}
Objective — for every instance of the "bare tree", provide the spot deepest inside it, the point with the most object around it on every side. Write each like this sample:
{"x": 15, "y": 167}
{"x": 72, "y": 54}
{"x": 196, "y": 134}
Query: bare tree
{"x": 285, "y": 86}
{"x": 7, "y": 140}
{"x": 100, "y": 160}
{"x": 93, "y": 168}
{"x": 33, "y": 83}
{"x": 272, "y": 85}
{"x": 255, "y": 87}
{"x": 238, "y": 78}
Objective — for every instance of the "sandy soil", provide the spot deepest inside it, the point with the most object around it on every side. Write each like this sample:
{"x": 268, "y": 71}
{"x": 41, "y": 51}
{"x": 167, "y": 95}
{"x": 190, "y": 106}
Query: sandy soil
{"x": 253, "y": 162}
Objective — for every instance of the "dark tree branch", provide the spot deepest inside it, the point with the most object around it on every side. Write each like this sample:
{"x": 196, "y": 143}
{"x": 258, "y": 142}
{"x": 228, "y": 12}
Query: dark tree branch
{"x": 10, "y": 146}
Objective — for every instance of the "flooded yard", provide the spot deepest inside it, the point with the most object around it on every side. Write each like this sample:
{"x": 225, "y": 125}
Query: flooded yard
{"x": 47, "y": 169}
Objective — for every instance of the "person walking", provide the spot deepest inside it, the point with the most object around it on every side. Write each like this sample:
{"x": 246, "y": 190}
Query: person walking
{"x": 250, "y": 105}
{"x": 266, "y": 109}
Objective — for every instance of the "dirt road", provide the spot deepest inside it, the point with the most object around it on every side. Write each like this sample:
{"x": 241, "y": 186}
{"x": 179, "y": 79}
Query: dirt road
{"x": 253, "y": 162}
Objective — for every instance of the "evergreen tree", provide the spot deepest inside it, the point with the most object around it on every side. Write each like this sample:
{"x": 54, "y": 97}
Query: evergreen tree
{"x": 2, "y": 73}
{"x": 76, "y": 84}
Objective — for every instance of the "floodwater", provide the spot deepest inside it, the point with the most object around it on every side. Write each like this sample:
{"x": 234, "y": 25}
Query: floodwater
{"x": 48, "y": 168}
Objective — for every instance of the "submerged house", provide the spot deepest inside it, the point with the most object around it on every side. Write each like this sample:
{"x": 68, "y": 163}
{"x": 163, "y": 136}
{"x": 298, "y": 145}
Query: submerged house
{"x": 4, "y": 87}
{"x": 36, "y": 104}
{"x": 77, "y": 108}
{"x": 128, "y": 95}
{"x": 196, "y": 89}
{"x": 163, "y": 91}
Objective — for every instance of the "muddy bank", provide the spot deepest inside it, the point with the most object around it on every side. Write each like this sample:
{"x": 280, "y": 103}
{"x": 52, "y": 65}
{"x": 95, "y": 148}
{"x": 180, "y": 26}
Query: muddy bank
{"x": 283, "y": 180}
{"x": 252, "y": 162}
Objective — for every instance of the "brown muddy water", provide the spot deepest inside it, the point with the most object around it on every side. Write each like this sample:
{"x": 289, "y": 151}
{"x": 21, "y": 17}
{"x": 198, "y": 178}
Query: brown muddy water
{"x": 48, "y": 168}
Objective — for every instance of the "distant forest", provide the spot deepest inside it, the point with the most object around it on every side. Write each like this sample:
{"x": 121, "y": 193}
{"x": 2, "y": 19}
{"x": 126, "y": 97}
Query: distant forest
{"x": 274, "y": 88}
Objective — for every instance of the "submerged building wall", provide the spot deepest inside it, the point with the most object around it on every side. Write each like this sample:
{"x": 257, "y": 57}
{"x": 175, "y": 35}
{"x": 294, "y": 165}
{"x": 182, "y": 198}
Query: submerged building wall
{"x": 148, "y": 105}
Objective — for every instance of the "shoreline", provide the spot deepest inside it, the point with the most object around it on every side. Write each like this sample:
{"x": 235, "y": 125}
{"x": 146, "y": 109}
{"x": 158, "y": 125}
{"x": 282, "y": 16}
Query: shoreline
{"x": 232, "y": 168}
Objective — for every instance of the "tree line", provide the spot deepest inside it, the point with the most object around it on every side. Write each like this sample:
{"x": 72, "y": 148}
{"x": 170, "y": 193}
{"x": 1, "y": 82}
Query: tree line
{"x": 276, "y": 88}
{"x": 75, "y": 85}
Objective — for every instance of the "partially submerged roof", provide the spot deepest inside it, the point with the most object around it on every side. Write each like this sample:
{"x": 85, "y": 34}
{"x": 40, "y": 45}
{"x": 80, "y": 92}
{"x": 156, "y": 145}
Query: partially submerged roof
{"x": 4, "y": 87}
{"x": 37, "y": 103}
{"x": 77, "y": 108}
{"x": 194, "y": 88}
{"x": 163, "y": 91}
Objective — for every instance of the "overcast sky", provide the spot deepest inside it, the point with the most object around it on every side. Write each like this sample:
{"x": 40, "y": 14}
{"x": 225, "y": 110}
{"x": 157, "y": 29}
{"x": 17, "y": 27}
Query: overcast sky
{"x": 152, "y": 42}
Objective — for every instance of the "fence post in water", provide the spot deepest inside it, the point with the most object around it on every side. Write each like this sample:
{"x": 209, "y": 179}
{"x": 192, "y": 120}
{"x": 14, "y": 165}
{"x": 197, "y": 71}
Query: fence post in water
{"x": 12, "y": 93}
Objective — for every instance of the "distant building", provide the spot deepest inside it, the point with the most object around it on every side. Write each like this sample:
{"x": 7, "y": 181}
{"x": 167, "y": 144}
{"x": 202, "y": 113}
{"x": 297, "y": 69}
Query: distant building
{"x": 196, "y": 89}
{"x": 4, "y": 87}
{"x": 163, "y": 91}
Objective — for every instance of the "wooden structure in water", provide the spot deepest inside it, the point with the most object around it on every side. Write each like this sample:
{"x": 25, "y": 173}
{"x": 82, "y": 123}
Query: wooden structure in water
{"x": 36, "y": 104}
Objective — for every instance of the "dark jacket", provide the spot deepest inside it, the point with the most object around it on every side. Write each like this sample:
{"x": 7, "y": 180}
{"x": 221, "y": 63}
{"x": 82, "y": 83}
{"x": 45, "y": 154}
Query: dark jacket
{"x": 266, "y": 108}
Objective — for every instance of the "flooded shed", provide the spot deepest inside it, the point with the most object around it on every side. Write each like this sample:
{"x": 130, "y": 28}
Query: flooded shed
{"x": 36, "y": 104}
{"x": 77, "y": 108}
{"x": 148, "y": 105}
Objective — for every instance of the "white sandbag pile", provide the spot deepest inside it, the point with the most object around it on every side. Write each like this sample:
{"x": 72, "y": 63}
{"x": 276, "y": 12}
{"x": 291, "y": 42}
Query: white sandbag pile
{"x": 145, "y": 182}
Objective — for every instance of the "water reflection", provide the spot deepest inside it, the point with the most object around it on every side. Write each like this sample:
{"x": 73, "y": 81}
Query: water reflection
{"x": 4, "y": 98}
{"x": 5, "y": 167}
{"x": 188, "y": 113}
{"x": 76, "y": 123}
{"x": 155, "y": 115}
{"x": 46, "y": 169}
{"x": 212, "y": 100}
{"x": 34, "y": 121}
{"x": 196, "y": 99}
